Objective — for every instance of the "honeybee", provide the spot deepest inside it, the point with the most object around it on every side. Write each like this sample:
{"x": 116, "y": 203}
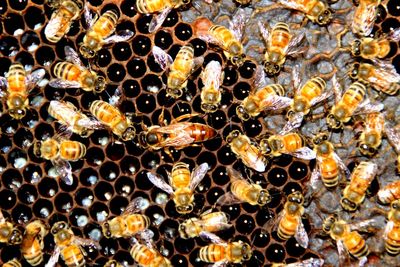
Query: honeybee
{"x": 279, "y": 44}
{"x": 61, "y": 19}
{"x": 364, "y": 17}
{"x": 389, "y": 193}
{"x": 263, "y": 97}
{"x": 110, "y": 116}
{"x": 346, "y": 239}
{"x": 32, "y": 242}
{"x": 209, "y": 222}
{"x": 179, "y": 70}
{"x": 12, "y": 263}
{"x": 228, "y": 39}
{"x": 181, "y": 185}
{"x": 73, "y": 74}
{"x": 245, "y": 150}
{"x": 16, "y": 87}
{"x": 128, "y": 223}
{"x": 361, "y": 178}
{"x": 382, "y": 77}
{"x": 100, "y": 32}
{"x": 9, "y": 233}
{"x": 221, "y": 253}
{"x": 394, "y": 139}
{"x": 243, "y": 191}
{"x": 352, "y": 102}
{"x": 292, "y": 143}
{"x": 68, "y": 246}
{"x": 72, "y": 119}
{"x": 177, "y": 134}
{"x": 371, "y": 136}
{"x": 391, "y": 233}
{"x": 311, "y": 262}
{"x": 212, "y": 77}
{"x": 113, "y": 263}
{"x": 147, "y": 256}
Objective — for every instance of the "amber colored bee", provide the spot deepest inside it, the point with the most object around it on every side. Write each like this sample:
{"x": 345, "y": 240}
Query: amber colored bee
{"x": 228, "y": 39}
{"x": 212, "y": 77}
{"x": 347, "y": 241}
{"x": 394, "y": 139}
{"x": 68, "y": 246}
{"x": 371, "y": 136}
{"x": 245, "y": 150}
{"x": 148, "y": 256}
{"x": 389, "y": 193}
{"x": 263, "y": 97}
{"x": 382, "y": 76}
{"x": 243, "y": 191}
{"x": 352, "y": 102}
{"x": 16, "y": 87}
{"x": 329, "y": 164}
{"x": 110, "y": 116}
{"x": 361, "y": 178}
{"x": 73, "y": 74}
{"x": 32, "y": 242}
{"x": 364, "y": 17}
{"x": 209, "y": 222}
{"x": 177, "y": 134}
{"x": 392, "y": 229}
{"x": 128, "y": 223}
{"x": 73, "y": 119}
{"x": 311, "y": 262}
{"x": 292, "y": 143}
{"x": 100, "y": 32}
{"x": 62, "y": 18}
{"x": 182, "y": 184}
{"x": 12, "y": 263}
{"x": 280, "y": 43}
{"x": 9, "y": 233}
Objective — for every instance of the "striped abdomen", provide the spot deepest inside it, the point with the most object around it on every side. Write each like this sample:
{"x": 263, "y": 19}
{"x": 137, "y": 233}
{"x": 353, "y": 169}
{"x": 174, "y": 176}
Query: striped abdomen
{"x": 105, "y": 25}
{"x": 212, "y": 253}
{"x": 72, "y": 150}
{"x": 67, "y": 71}
{"x": 183, "y": 64}
{"x": 392, "y": 243}
{"x": 73, "y": 256}
{"x": 313, "y": 88}
{"x": 287, "y": 226}
{"x": 355, "y": 244}
{"x": 106, "y": 113}
{"x": 272, "y": 89}
{"x": 12, "y": 263}
{"x": 279, "y": 38}
{"x": 200, "y": 132}
{"x": 352, "y": 98}
{"x": 151, "y": 6}
{"x": 329, "y": 171}
{"x": 292, "y": 142}
{"x": 226, "y": 39}
{"x": 389, "y": 193}
{"x": 142, "y": 254}
{"x": 62, "y": 18}
{"x": 180, "y": 175}
{"x": 16, "y": 79}
{"x": 136, "y": 223}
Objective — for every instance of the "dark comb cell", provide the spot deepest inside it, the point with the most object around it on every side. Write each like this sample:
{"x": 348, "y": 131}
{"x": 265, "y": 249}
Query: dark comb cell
{"x": 241, "y": 90}
{"x": 45, "y": 55}
{"x": 136, "y": 67}
{"x": 128, "y": 8}
{"x": 298, "y": 170}
{"x": 34, "y": 17}
{"x": 9, "y": 199}
{"x": 103, "y": 58}
{"x": 183, "y": 31}
{"x": 14, "y": 24}
{"x": 171, "y": 19}
{"x": 277, "y": 176}
{"x": 116, "y": 72}
{"x": 9, "y": 47}
{"x": 231, "y": 76}
{"x": 43, "y": 208}
{"x": 275, "y": 253}
{"x": 141, "y": 45}
{"x": 247, "y": 69}
{"x": 122, "y": 51}
{"x": 163, "y": 39}
{"x": 393, "y": 8}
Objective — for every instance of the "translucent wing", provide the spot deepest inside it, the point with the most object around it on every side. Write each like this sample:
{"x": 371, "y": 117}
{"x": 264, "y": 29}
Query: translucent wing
{"x": 234, "y": 174}
{"x": 296, "y": 78}
{"x": 177, "y": 130}
{"x": 314, "y": 178}
{"x": 337, "y": 89}
{"x": 162, "y": 58}
{"x": 394, "y": 35}
{"x": 120, "y": 37}
{"x": 253, "y": 158}
{"x": 276, "y": 102}
{"x": 197, "y": 62}
{"x": 259, "y": 78}
{"x": 265, "y": 31}
{"x": 386, "y": 69}
{"x": 297, "y": 5}
{"x": 342, "y": 251}
{"x": 365, "y": 225}
{"x": 90, "y": 17}
{"x": 59, "y": 83}
{"x": 228, "y": 199}
{"x": 212, "y": 74}
{"x": 321, "y": 98}
{"x": 198, "y": 174}
{"x": 311, "y": 262}
{"x": 294, "y": 122}
{"x": 53, "y": 26}
{"x": 86, "y": 242}
{"x": 367, "y": 107}
{"x": 72, "y": 56}
{"x": 64, "y": 170}
{"x": 236, "y": 25}
{"x": 134, "y": 206}
{"x": 295, "y": 46}
{"x": 2, "y": 219}
{"x": 362, "y": 261}
{"x": 54, "y": 257}
{"x": 212, "y": 237}
{"x": 158, "y": 181}
{"x": 159, "y": 19}
{"x": 393, "y": 138}
{"x": 304, "y": 153}
{"x": 34, "y": 77}
{"x": 62, "y": 135}
{"x": 3, "y": 85}
{"x": 366, "y": 21}
{"x": 90, "y": 123}
{"x": 389, "y": 227}
{"x": 341, "y": 164}
{"x": 301, "y": 235}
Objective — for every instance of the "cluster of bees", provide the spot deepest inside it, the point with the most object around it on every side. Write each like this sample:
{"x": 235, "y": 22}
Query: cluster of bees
{"x": 255, "y": 154}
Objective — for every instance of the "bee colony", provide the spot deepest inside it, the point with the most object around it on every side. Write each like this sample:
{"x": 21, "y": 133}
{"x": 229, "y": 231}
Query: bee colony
{"x": 242, "y": 133}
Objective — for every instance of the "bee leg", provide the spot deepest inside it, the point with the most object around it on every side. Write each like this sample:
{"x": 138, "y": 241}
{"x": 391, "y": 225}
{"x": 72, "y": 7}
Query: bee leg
{"x": 266, "y": 9}
{"x": 257, "y": 48}
{"x": 161, "y": 120}
{"x": 168, "y": 153}
{"x": 185, "y": 116}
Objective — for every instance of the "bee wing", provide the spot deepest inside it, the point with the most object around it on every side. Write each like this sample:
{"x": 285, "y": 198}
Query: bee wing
{"x": 254, "y": 159}
{"x": 276, "y": 102}
{"x": 273, "y": 224}
{"x": 162, "y": 58}
{"x": 158, "y": 181}
{"x": 86, "y": 242}
{"x": 365, "y": 225}
{"x": 394, "y": 35}
{"x": 197, "y": 63}
{"x": 207, "y": 236}
{"x": 228, "y": 199}
{"x": 181, "y": 137}
{"x": 296, "y": 78}
{"x": 90, "y": 123}
{"x": 72, "y": 56}
{"x": 212, "y": 75}
{"x": 90, "y": 17}
{"x": 293, "y": 123}
{"x": 265, "y": 31}
{"x": 321, "y": 98}
{"x": 342, "y": 251}
{"x": 64, "y": 170}
{"x": 301, "y": 235}
{"x": 295, "y": 46}
{"x": 159, "y": 19}
{"x": 234, "y": 174}
{"x": 54, "y": 257}
{"x": 2, "y": 219}
{"x": 337, "y": 89}
{"x": 53, "y": 26}
{"x": 293, "y": 5}
{"x": 259, "y": 77}
{"x": 341, "y": 164}
{"x": 222, "y": 263}
{"x": 386, "y": 70}
{"x": 218, "y": 221}
{"x": 304, "y": 153}
{"x": 3, "y": 85}
{"x": 120, "y": 37}
{"x": 198, "y": 174}
{"x": 389, "y": 227}
{"x": 59, "y": 83}
{"x": 311, "y": 262}
{"x": 368, "y": 107}
{"x": 236, "y": 25}
{"x": 34, "y": 77}
{"x": 368, "y": 21}
{"x": 393, "y": 137}
{"x": 134, "y": 206}
{"x": 62, "y": 134}
{"x": 315, "y": 177}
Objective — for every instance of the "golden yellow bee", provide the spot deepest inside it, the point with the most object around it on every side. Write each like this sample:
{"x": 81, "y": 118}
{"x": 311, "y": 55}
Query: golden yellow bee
{"x": 364, "y": 17}
{"x": 113, "y": 263}
{"x": 371, "y": 136}
{"x": 12, "y": 263}
{"x": 182, "y": 184}
{"x": 212, "y": 77}
{"x": 9, "y": 233}
{"x": 279, "y": 44}
{"x": 392, "y": 229}
{"x": 100, "y": 32}
{"x": 292, "y": 144}
{"x": 222, "y": 252}
{"x": 382, "y": 76}
{"x": 361, "y": 178}
{"x": 329, "y": 164}
{"x": 389, "y": 193}
{"x": 243, "y": 191}
{"x": 147, "y": 256}
{"x": 263, "y": 97}
{"x": 68, "y": 246}
{"x": 110, "y": 116}
{"x": 177, "y": 134}
{"x": 352, "y": 102}
{"x": 73, "y": 74}
{"x": 32, "y": 242}
{"x": 209, "y": 222}
{"x": 72, "y": 119}
{"x": 245, "y": 150}
{"x": 228, "y": 39}
{"x": 16, "y": 87}
{"x": 393, "y": 137}
{"x": 311, "y": 262}
{"x": 62, "y": 18}
{"x": 128, "y": 223}
{"x": 347, "y": 241}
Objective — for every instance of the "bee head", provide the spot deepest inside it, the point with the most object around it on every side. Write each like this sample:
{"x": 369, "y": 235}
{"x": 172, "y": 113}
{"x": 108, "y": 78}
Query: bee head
{"x": 86, "y": 52}
{"x": 106, "y": 230}
{"x": 333, "y": 122}
{"x": 317, "y": 140}
{"x": 111, "y": 263}
{"x": 209, "y": 108}
{"x": 238, "y": 60}
{"x": 17, "y": 106}
{"x": 15, "y": 237}
{"x": 36, "y": 148}
{"x": 184, "y": 209}
{"x": 328, "y": 223}
{"x": 175, "y": 93}
{"x": 265, "y": 147}
{"x": 148, "y": 139}
{"x": 246, "y": 251}
{"x": 348, "y": 205}
{"x": 128, "y": 134}
{"x": 263, "y": 198}
{"x": 353, "y": 72}
{"x": 242, "y": 113}
{"x": 100, "y": 84}
{"x": 395, "y": 205}
{"x": 366, "y": 150}
{"x": 296, "y": 197}
{"x": 324, "y": 17}
{"x": 271, "y": 68}
{"x": 232, "y": 135}
{"x": 355, "y": 48}
{"x": 59, "y": 226}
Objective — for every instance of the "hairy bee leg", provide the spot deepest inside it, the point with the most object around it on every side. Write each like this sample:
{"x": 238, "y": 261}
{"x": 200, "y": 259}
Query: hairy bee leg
{"x": 256, "y": 48}
{"x": 168, "y": 153}
{"x": 265, "y": 9}
{"x": 185, "y": 116}
{"x": 339, "y": 37}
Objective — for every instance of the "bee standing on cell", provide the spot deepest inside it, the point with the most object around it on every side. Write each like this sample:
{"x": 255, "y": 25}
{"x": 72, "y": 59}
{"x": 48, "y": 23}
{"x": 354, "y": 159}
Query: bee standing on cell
{"x": 32, "y": 243}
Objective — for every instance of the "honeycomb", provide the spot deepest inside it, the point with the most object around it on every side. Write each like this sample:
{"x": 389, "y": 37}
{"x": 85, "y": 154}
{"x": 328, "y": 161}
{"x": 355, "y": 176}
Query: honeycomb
{"x": 113, "y": 172}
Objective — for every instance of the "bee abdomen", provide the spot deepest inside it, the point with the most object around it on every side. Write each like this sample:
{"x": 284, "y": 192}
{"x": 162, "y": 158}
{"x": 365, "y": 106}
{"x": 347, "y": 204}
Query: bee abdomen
{"x": 201, "y": 132}
{"x": 105, "y": 25}
{"x": 67, "y": 71}
{"x": 137, "y": 222}
{"x": 16, "y": 78}
{"x": 212, "y": 253}
{"x": 142, "y": 254}
{"x": 287, "y": 227}
{"x": 72, "y": 150}
{"x": 73, "y": 256}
